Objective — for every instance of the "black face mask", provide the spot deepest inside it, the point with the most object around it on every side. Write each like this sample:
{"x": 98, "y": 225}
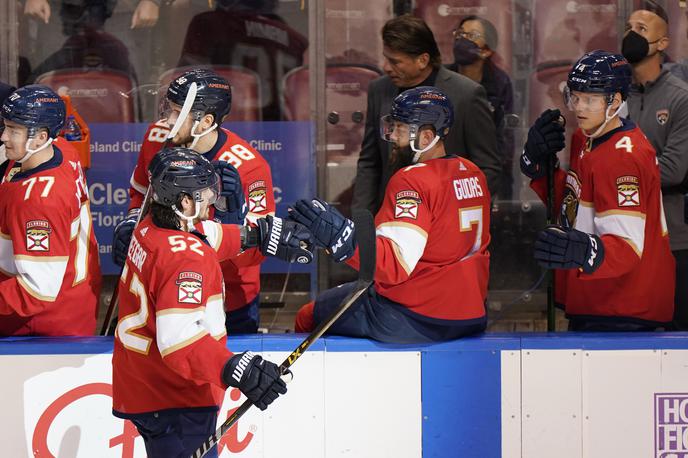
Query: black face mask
{"x": 465, "y": 51}
{"x": 635, "y": 47}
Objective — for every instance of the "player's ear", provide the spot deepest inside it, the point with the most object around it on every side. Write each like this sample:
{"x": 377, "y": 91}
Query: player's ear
{"x": 427, "y": 135}
{"x": 187, "y": 204}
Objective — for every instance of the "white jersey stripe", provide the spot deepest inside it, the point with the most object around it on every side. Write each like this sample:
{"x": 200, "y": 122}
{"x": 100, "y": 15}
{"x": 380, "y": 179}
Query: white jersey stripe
{"x": 410, "y": 242}
{"x": 630, "y": 227}
{"x": 213, "y": 232}
{"x": 176, "y": 328}
{"x": 214, "y": 320}
{"x": 41, "y": 276}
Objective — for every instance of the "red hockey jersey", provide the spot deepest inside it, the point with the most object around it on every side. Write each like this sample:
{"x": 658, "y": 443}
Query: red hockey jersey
{"x": 432, "y": 234}
{"x": 170, "y": 341}
{"x": 49, "y": 268}
{"x": 242, "y": 273}
{"x": 613, "y": 190}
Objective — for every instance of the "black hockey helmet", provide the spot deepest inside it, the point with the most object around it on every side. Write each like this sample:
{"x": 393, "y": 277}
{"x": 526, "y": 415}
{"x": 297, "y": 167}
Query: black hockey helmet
{"x": 177, "y": 170}
{"x": 213, "y": 93}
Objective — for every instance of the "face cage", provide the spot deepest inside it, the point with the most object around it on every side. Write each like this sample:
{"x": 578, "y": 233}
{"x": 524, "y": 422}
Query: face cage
{"x": 166, "y": 109}
{"x": 601, "y": 103}
{"x": 387, "y": 126}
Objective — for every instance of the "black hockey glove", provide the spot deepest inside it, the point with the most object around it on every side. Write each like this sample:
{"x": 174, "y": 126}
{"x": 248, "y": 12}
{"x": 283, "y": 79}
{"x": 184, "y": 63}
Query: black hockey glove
{"x": 230, "y": 207}
{"x": 257, "y": 378}
{"x": 330, "y": 228}
{"x": 281, "y": 238}
{"x": 122, "y": 237}
{"x": 559, "y": 248}
{"x": 545, "y": 139}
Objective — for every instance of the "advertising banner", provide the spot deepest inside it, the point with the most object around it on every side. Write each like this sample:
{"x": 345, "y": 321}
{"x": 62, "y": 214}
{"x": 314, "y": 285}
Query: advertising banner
{"x": 287, "y": 146}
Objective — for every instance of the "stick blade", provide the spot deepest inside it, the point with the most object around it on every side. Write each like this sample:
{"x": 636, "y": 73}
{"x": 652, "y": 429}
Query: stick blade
{"x": 365, "y": 236}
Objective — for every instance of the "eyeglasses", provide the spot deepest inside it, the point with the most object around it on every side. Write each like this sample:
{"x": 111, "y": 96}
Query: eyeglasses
{"x": 474, "y": 35}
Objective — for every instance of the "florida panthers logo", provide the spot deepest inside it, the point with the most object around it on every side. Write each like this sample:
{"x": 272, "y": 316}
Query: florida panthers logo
{"x": 257, "y": 197}
{"x": 407, "y": 204}
{"x": 662, "y": 116}
{"x": 38, "y": 235}
{"x": 190, "y": 288}
{"x": 569, "y": 206}
{"x": 628, "y": 191}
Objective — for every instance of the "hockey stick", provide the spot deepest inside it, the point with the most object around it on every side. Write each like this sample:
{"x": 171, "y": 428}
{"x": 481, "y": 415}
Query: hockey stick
{"x": 551, "y": 219}
{"x": 114, "y": 299}
{"x": 183, "y": 113}
{"x": 365, "y": 235}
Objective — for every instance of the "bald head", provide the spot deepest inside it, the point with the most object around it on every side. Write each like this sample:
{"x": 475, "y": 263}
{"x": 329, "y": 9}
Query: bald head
{"x": 650, "y": 22}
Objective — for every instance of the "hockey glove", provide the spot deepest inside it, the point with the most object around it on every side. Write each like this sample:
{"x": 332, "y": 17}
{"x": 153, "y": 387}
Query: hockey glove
{"x": 230, "y": 207}
{"x": 257, "y": 378}
{"x": 330, "y": 228}
{"x": 545, "y": 139}
{"x": 559, "y": 248}
{"x": 281, "y": 238}
{"x": 122, "y": 237}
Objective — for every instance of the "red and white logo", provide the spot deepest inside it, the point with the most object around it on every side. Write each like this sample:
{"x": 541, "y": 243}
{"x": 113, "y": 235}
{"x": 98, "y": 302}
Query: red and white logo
{"x": 257, "y": 197}
{"x": 190, "y": 288}
{"x": 628, "y": 191}
{"x": 38, "y": 235}
{"x": 407, "y": 204}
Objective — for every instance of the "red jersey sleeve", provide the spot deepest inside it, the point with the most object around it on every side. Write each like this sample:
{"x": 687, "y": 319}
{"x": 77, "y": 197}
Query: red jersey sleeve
{"x": 188, "y": 302}
{"x": 225, "y": 239}
{"x": 615, "y": 205}
{"x": 402, "y": 227}
{"x": 154, "y": 139}
{"x": 256, "y": 179}
{"x": 37, "y": 243}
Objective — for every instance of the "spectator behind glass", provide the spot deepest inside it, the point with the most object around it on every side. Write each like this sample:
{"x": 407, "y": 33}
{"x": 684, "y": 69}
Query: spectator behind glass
{"x": 413, "y": 59}
{"x": 87, "y": 45}
{"x": 658, "y": 103}
{"x": 475, "y": 40}
{"x": 145, "y": 15}
{"x": 246, "y": 34}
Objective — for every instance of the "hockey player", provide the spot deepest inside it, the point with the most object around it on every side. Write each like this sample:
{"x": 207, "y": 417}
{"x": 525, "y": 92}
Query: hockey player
{"x": 171, "y": 365}
{"x": 200, "y": 131}
{"x": 610, "y": 244}
{"x": 432, "y": 236}
{"x": 49, "y": 270}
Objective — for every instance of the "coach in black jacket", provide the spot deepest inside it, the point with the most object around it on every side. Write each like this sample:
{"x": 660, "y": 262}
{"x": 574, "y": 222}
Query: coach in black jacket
{"x": 412, "y": 59}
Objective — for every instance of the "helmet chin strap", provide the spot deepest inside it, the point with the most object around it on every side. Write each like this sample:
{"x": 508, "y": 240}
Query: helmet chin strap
{"x": 196, "y": 136}
{"x": 30, "y": 152}
{"x": 189, "y": 220}
{"x": 607, "y": 118}
{"x": 419, "y": 152}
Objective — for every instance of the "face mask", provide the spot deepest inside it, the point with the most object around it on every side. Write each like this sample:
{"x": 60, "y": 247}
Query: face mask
{"x": 465, "y": 51}
{"x": 635, "y": 47}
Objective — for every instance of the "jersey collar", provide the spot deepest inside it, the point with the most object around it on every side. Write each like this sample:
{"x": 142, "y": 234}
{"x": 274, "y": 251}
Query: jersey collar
{"x": 52, "y": 163}
{"x": 221, "y": 140}
{"x": 626, "y": 125}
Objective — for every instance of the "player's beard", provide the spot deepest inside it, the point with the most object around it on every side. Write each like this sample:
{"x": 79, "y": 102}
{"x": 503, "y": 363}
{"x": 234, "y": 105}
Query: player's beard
{"x": 402, "y": 156}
